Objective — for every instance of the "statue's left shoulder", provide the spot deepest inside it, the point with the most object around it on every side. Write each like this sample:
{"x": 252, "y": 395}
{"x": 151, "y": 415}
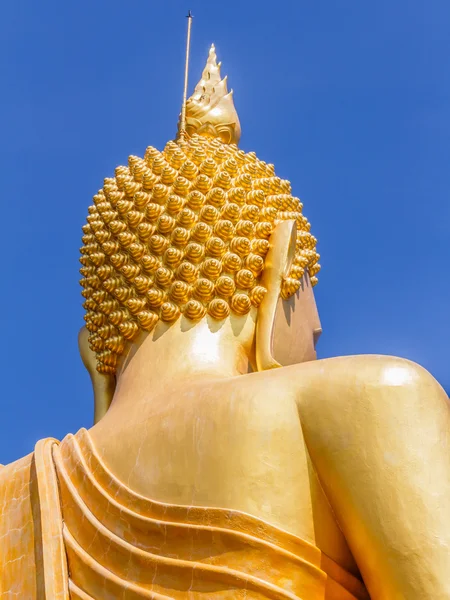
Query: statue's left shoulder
{"x": 30, "y": 518}
{"x": 17, "y": 556}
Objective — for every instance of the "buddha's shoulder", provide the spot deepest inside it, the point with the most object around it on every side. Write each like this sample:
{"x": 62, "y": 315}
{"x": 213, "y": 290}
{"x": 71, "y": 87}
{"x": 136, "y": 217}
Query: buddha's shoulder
{"x": 16, "y": 477}
{"x": 333, "y": 394}
{"x": 347, "y": 372}
{"x": 19, "y": 469}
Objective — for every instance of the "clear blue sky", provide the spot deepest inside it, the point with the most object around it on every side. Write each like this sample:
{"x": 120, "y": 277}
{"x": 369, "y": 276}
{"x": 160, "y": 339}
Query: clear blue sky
{"x": 349, "y": 99}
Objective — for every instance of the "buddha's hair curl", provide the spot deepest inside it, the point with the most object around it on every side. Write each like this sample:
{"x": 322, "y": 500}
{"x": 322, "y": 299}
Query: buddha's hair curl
{"x": 183, "y": 231}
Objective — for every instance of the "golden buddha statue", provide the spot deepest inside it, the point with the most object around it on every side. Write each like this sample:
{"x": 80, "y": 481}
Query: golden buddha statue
{"x": 226, "y": 461}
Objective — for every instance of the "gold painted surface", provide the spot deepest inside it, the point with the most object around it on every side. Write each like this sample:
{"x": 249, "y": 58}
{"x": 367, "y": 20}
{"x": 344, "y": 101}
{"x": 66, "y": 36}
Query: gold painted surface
{"x": 17, "y": 560}
{"x": 226, "y": 461}
{"x": 32, "y": 556}
{"x": 210, "y": 110}
{"x": 179, "y": 551}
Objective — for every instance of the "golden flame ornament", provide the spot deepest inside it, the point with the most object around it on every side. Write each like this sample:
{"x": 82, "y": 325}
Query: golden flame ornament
{"x": 210, "y": 110}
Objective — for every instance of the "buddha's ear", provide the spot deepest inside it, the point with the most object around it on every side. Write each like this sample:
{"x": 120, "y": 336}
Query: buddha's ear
{"x": 277, "y": 264}
{"x": 103, "y": 384}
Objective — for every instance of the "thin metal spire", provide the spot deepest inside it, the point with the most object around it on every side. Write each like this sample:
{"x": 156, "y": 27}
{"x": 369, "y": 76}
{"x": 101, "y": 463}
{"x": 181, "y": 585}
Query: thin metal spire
{"x": 186, "y": 73}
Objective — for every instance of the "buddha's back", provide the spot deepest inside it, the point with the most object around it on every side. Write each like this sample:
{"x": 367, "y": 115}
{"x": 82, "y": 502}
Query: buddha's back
{"x": 235, "y": 444}
{"x": 220, "y": 455}
{"x": 225, "y": 444}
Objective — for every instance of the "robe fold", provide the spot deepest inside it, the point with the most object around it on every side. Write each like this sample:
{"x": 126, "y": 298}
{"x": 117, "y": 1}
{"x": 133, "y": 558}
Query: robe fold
{"x": 69, "y": 529}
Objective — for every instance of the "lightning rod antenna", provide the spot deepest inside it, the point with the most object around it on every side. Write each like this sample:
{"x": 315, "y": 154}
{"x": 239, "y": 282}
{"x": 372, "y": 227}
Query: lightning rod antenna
{"x": 186, "y": 73}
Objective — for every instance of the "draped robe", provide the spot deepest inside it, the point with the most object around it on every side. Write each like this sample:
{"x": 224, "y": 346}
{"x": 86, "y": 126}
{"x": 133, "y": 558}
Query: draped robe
{"x": 69, "y": 529}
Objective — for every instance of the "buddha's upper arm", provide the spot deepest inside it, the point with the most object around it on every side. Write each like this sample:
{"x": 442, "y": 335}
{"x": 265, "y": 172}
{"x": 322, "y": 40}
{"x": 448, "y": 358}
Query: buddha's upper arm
{"x": 378, "y": 433}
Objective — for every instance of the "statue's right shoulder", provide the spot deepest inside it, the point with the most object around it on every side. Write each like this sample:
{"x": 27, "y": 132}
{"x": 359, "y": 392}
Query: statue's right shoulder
{"x": 14, "y": 484}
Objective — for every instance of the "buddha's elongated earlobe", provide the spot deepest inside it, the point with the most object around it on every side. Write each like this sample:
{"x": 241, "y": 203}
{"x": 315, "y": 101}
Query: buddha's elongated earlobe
{"x": 278, "y": 262}
{"x": 103, "y": 384}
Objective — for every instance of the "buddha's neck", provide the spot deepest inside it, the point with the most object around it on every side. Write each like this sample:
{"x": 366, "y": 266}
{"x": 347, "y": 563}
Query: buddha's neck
{"x": 175, "y": 354}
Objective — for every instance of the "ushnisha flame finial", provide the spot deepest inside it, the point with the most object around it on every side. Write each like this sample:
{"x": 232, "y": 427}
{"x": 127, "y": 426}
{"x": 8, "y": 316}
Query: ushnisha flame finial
{"x": 210, "y": 110}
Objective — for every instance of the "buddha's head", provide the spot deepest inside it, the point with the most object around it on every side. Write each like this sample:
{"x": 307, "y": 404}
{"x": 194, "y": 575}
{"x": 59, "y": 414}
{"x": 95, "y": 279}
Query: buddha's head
{"x": 200, "y": 230}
